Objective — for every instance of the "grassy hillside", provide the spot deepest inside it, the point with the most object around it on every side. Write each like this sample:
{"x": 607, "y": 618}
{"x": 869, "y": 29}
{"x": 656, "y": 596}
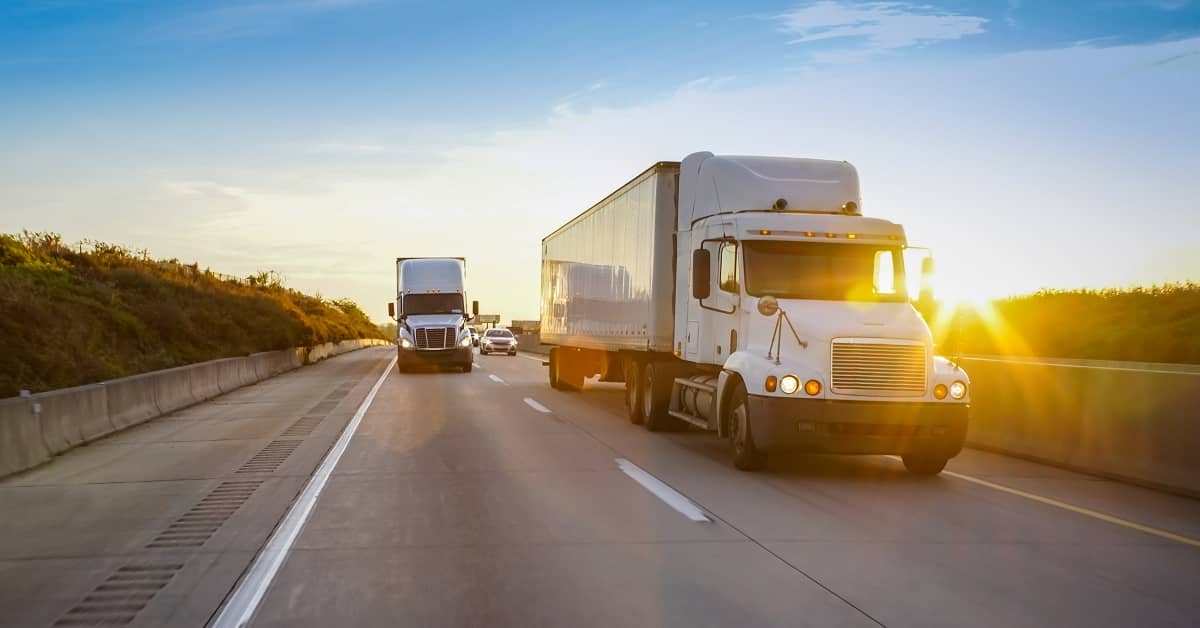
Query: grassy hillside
{"x": 89, "y": 312}
{"x": 1157, "y": 324}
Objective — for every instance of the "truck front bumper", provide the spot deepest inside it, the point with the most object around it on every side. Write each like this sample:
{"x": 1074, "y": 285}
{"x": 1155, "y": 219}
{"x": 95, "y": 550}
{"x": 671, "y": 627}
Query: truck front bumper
{"x": 460, "y": 356}
{"x": 857, "y": 427}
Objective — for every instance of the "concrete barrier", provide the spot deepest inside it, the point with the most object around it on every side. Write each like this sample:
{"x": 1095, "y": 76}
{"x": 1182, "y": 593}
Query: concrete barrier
{"x": 131, "y": 400}
{"x": 72, "y": 416}
{"x": 173, "y": 389}
{"x": 531, "y": 343}
{"x": 1134, "y": 424}
{"x": 33, "y": 429}
{"x": 229, "y": 376}
{"x": 206, "y": 380}
{"x": 21, "y": 445}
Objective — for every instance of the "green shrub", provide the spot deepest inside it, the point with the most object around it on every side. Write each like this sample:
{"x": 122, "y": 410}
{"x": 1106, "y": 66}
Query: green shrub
{"x": 92, "y": 311}
{"x": 1154, "y": 324}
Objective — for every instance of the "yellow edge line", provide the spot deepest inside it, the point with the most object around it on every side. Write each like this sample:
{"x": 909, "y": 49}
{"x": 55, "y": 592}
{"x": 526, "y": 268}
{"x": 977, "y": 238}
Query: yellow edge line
{"x": 1087, "y": 512}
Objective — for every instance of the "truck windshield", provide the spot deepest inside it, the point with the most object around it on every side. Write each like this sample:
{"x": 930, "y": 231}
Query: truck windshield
{"x": 441, "y": 303}
{"x": 824, "y": 271}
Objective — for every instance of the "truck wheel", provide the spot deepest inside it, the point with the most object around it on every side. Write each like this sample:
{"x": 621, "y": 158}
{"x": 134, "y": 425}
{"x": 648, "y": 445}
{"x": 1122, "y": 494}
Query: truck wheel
{"x": 656, "y": 398}
{"x": 746, "y": 456}
{"x": 633, "y": 392}
{"x": 924, "y": 464}
{"x": 466, "y": 368}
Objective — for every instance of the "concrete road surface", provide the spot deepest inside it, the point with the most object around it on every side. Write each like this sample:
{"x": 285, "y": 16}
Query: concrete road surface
{"x": 489, "y": 499}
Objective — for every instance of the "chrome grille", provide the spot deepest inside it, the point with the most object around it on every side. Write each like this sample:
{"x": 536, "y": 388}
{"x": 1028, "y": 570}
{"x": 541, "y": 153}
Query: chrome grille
{"x": 434, "y": 338}
{"x": 878, "y": 368}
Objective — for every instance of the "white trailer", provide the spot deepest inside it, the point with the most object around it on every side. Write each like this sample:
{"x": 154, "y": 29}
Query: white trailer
{"x": 430, "y": 313}
{"x": 749, "y": 296}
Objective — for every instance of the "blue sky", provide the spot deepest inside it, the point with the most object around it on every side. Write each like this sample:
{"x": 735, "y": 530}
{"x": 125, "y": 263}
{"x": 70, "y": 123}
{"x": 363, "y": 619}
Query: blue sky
{"x": 313, "y": 136}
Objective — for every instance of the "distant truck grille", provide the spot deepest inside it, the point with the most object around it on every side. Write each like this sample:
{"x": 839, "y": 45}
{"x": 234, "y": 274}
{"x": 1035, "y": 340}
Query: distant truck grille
{"x": 874, "y": 368}
{"x": 434, "y": 338}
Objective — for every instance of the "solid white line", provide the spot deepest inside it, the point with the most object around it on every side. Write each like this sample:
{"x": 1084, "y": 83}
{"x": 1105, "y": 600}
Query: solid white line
{"x": 240, "y": 606}
{"x": 536, "y": 406}
{"x": 670, "y": 496}
{"x": 1087, "y": 512}
{"x": 497, "y": 380}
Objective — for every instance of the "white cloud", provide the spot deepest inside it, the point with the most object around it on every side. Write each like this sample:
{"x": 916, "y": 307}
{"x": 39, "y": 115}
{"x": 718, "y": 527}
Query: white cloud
{"x": 864, "y": 30}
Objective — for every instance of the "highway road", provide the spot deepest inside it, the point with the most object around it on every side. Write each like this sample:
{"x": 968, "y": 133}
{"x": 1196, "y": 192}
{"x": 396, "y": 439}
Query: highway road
{"x": 489, "y": 499}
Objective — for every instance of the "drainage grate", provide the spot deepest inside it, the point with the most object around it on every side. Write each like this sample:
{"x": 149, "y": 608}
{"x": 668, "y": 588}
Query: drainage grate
{"x": 196, "y": 526}
{"x": 303, "y": 427}
{"x": 271, "y": 456}
{"x": 325, "y": 407}
{"x": 118, "y": 600}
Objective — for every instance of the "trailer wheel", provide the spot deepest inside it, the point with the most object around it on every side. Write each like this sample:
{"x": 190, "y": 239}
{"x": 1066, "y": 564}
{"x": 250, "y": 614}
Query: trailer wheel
{"x": 656, "y": 398}
{"x": 634, "y": 391}
{"x": 746, "y": 456}
{"x": 924, "y": 464}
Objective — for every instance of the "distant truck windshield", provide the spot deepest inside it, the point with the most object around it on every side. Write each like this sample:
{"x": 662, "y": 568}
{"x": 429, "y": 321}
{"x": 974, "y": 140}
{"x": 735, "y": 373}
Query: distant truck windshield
{"x": 450, "y": 303}
{"x": 821, "y": 271}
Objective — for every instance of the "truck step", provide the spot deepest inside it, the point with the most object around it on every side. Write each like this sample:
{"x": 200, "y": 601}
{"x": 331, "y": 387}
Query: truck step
{"x": 698, "y": 422}
{"x": 683, "y": 381}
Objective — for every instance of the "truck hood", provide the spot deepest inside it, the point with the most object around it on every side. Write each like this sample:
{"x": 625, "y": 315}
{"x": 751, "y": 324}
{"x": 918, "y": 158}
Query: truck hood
{"x": 817, "y": 322}
{"x": 434, "y": 320}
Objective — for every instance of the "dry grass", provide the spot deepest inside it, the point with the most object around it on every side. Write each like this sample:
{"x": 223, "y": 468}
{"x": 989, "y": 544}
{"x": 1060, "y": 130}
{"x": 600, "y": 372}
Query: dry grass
{"x": 93, "y": 311}
{"x": 1155, "y": 324}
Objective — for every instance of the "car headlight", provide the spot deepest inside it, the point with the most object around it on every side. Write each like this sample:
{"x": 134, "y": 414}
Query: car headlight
{"x": 405, "y": 343}
{"x": 958, "y": 390}
{"x": 789, "y": 384}
{"x": 465, "y": 342}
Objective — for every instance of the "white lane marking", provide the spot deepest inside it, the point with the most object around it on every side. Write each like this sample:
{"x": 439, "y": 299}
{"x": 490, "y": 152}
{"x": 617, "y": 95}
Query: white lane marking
{"x": 497, "y": 379}
{"x": 240, "y": 606}
{"x": 670, "y": 496}
{"x": 532, "y": 403}
{"x": 538, "y": 359}
{"x": 1087, "y": 512}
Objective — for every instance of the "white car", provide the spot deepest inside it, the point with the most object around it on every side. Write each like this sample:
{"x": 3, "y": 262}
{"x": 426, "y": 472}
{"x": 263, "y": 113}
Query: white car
{"x": 498, "y": 341}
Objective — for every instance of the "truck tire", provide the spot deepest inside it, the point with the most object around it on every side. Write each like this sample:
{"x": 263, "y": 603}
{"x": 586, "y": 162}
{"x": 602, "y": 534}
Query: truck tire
{"x": 924, "y": 464}
{"x": 746, "y": 456}
{"x": 633, "y": 391}
{"x": 466, "y": 368}
{"x": 656, "y": 398}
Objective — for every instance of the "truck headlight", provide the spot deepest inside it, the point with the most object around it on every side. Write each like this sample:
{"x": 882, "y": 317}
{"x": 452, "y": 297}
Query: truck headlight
{"x": 465, "y": 342}
{"x": 405, "y": 343}
{"x": 958, "y": 390}
{"x": 789, "y": 384}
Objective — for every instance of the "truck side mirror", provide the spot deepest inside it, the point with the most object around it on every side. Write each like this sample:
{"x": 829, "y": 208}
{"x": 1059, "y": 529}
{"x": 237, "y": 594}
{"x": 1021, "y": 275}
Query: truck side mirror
{"x": 392, "y": 310}
{"x": 701, "y": 271}
{"x": 475, "y": 309}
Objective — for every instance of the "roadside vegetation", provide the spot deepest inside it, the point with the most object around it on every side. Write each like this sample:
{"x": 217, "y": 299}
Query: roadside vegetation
{"x": 1154, "y": 324}
{"x": 91, "y": 311}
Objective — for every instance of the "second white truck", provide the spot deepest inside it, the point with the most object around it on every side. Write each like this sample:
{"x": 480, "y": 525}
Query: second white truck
{"x": 430, "y": 313}
{"x": 750, "y": 296}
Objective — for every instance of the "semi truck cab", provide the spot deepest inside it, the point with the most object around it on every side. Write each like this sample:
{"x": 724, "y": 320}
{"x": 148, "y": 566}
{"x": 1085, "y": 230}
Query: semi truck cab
{"x": 800, "y": 319}
{"x": 431, "y": 315}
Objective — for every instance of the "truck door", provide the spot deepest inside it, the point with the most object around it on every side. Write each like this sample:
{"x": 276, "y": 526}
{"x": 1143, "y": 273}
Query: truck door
{"x": 712, "y": 321}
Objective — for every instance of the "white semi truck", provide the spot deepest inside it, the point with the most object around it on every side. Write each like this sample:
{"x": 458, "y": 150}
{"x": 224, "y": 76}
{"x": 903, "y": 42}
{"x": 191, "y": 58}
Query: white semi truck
{"x": 751, "y": 297}
{"x": 430, "y": 313}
